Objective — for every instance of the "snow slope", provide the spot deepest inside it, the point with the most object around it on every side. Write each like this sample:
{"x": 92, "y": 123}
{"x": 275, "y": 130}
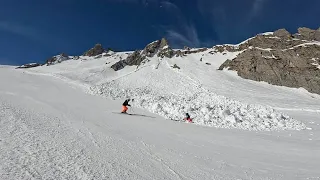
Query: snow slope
{"x": 213, "y": 98}
{"x": 51, "y": 129}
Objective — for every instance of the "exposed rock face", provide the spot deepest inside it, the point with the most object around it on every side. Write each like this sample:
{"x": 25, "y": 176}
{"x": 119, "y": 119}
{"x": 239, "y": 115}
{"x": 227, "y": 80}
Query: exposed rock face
{"x": 135, "y": 58}
{"x": 166, "y": 52}
{"x": 96, "y": 50}
{"x": 282, "y": 33}
{"x": 195, "y": 51}
{"x": 280, "y": 60}
{"x": 29, "y": 65}
{"x": 186, "y": 48}
{"x": 182, "y": 53}
{"x": 179, "y": 53}
{"x": 317, "y": 35}
{"x": 57, "y": 59}
{"x": 308, "y": 34}
{"x": 151, "y": 49}
{"x": 222, "y": 48}
{"x": 159, "y": 48}
{"x": 273, "y": 42}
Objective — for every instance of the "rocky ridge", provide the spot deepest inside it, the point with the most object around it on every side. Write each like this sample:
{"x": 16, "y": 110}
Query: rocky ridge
{"x": 159, "y": 48}
{"x": 96, "y": 50}
{"x": 278, "y": 57}
{"x": 57, "y": 59}
{"x": 281, "y": 59}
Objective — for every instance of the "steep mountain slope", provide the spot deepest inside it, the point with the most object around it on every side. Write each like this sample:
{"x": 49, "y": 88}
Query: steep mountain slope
{"x": 159, "y": 86}
{"x": 50, "y": 129}
{"x": 173, "y": 82}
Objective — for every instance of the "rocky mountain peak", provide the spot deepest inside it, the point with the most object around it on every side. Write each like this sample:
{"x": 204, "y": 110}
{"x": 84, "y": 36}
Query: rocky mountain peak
{"x": 96, "y": 50}
{"x": 57, "y": 59}
{"x": 163, "y": 43}
{"x": 282, "y": 33}
{"x": 308, "y": 34}
{"x": 153, "y": 48}
{"x": 160, "y": 48}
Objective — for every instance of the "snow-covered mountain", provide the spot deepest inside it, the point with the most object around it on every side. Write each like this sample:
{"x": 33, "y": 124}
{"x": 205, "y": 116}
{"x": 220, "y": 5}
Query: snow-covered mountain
{"x": 60, "y": 120}
{"x": 172, "y": 82}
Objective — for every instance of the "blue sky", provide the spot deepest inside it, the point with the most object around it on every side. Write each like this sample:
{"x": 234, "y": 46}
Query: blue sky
{"x": 34, "y": 30}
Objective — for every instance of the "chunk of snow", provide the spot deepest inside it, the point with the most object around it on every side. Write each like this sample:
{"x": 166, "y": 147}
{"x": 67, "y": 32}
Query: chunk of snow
{"x": 263, "y": 49}
{"x": 308, "y": 43}
{"x": 273, "y": 37}
{"x": 165, "y": 47}
{"x": 267, "y": 33}
{"x": 270, "y": 57}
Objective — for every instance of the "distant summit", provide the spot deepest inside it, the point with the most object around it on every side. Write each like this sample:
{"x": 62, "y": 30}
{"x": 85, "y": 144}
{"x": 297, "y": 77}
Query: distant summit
{"x": 96, "y": 50}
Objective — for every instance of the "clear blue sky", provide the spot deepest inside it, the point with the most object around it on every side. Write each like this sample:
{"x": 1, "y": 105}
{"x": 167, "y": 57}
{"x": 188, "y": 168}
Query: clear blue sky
{"x": 34, "y": 30}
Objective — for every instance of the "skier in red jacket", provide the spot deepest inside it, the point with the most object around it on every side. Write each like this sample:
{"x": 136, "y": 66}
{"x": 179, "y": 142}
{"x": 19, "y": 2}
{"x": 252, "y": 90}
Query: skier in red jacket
{"x": 187, "y": 118}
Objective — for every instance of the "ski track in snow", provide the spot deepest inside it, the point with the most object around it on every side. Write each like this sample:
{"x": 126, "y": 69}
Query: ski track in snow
{"x": 52, "y": 147}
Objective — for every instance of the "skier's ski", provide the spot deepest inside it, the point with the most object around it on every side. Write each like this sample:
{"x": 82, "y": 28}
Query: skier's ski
{"x": 122, "y": 113}
{"x": 141, "y": 115}
{"x": 182, "y": 121}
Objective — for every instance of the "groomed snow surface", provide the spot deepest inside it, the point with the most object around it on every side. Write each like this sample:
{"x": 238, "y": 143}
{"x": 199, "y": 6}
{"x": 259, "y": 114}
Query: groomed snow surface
{"x": 55, "y": 123}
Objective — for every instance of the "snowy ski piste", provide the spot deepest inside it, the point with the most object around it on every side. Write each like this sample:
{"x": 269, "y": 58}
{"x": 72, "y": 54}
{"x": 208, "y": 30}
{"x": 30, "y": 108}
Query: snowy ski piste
{"x": 63, "y": 122}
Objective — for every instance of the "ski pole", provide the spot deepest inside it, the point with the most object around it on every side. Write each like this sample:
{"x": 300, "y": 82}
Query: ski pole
{"x": 132, "y": 110}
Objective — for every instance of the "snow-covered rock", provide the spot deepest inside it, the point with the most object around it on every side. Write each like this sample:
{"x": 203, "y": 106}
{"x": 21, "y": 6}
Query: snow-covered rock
{"x": 29, "y": 65}
{"x": 57, "y": 59}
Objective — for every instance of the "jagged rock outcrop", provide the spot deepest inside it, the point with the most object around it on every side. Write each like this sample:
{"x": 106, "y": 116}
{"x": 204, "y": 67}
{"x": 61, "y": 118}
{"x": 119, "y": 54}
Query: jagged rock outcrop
{"x": 308, "y": 34}
{"x": 166, "y": 52}
{"x": 222, "y": 48}
{"x": 186, "y": 48}
{"x": 57, "y": 59}
{"x": 195, "y": 51}
{"x": 270, "y": 42}
{"x": 282, "y": 33}
{"x": 159, "y": 48}
{"x": 317, "y": 35}
{"x": 179, "y": 53}
{"x": 135, "y": 58}
{"x": 29, "y": 65}
{"x": 280, "y": 60}
{"x": 96, "y": 50}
